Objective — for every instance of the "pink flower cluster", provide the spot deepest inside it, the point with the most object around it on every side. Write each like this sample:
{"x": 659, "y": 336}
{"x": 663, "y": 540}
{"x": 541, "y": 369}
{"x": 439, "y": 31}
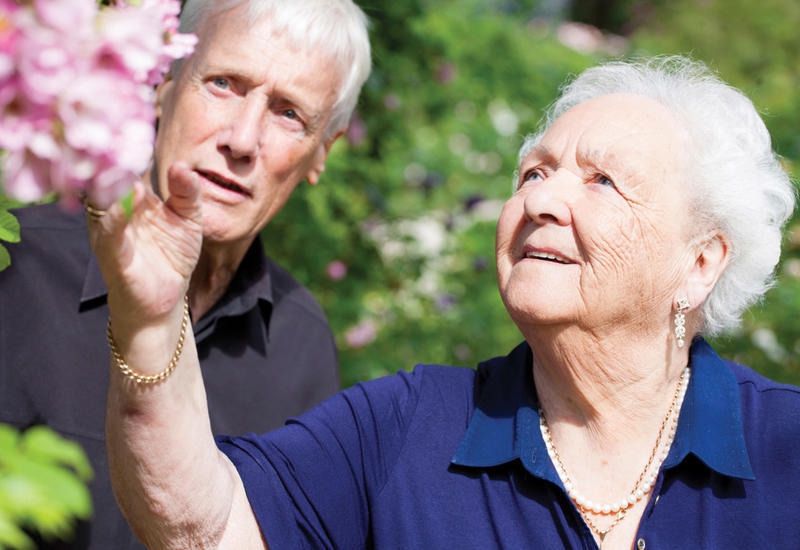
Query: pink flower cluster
{"x": 77, "y": 113}
{"x": 361, "y": 334}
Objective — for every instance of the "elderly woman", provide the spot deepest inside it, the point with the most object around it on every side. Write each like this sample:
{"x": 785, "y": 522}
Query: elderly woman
{"x": 646, "y": 213}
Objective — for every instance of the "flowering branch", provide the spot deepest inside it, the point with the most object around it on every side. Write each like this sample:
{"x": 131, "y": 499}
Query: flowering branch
{"x": 77, "y": 112}
{"x": 77, "y": 118}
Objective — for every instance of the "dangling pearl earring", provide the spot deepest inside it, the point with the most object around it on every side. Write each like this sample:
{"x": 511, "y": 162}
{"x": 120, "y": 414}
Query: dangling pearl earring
{"x": 680, "y": 320}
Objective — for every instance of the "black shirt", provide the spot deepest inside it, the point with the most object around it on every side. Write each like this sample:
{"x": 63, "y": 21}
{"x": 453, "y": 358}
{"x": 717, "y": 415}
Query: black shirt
{"x": 266, "y": 351}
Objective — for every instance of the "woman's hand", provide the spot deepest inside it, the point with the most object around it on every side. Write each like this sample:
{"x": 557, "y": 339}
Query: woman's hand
{"x": 166, "y": 470}
{"x": 147, "y": 260}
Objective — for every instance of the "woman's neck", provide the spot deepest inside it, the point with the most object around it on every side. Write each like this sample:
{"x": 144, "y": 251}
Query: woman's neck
{"x": 607, "y": 405}
{"x": 604, "y": 382}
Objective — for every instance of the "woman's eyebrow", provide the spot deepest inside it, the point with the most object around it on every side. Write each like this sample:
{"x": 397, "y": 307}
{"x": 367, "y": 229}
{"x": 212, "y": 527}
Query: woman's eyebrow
{"x": 607, "y": 159}
{"x": 542, "y": 153}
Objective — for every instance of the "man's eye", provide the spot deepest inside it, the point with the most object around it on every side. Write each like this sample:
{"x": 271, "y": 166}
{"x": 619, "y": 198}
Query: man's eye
{"x": 222, "y": 83}
{"x": 290, "y": 114}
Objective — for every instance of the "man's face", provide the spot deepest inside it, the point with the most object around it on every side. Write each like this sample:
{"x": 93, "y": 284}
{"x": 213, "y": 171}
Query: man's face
{"x": 248, "y": 114}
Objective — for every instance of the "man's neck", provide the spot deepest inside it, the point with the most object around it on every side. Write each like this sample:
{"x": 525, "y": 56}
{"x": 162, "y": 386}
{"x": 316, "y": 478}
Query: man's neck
{"x": 215, "y": 269}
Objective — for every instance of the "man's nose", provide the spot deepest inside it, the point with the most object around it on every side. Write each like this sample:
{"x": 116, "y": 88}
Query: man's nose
{"x": 245, "y": 132}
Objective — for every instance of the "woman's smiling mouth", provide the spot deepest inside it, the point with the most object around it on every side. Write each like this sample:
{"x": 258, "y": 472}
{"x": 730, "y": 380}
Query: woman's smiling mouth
{"x": 549, "y": 256}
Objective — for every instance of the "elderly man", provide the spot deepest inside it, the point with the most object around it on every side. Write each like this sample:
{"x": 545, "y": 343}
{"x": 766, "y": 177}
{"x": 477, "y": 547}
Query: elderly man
{"x": 252, "y": 113}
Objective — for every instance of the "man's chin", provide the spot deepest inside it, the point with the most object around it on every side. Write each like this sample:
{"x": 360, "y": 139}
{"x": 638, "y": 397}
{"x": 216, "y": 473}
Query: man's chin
{"x": 219, "y": 229}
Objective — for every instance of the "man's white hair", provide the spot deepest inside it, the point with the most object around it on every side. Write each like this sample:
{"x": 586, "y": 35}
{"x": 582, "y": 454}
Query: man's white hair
{"x": 337, "y": 29}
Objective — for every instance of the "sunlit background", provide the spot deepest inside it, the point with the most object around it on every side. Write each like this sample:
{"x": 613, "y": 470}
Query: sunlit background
{"x": 397, "y": 240}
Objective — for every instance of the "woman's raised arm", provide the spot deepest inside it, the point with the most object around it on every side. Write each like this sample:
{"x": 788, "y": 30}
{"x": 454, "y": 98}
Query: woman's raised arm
{"x": 175, "y": 488}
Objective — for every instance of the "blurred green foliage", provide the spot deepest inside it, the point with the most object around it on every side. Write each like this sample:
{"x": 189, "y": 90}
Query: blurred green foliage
{"x": 9, "y": 230}
{"x": 753, "y": 46}
{"x": 409, "y": 200}
{"x": 42, "y": 486}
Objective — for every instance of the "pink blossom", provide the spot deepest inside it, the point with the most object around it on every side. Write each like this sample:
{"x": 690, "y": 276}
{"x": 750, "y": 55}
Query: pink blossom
{"x": 391, "y": 102}
{"x": 21, "y": 119}
{"x": 29, "y": 174}
{"x": 128, "y": 41}
{"x": 585, "y": 38}
{"x": 143, "y": 38}
{"x": 361, "y": 334}
{"x": 8, "y": 36}
{"x": 356, "y": 130}
{"x": 336, "y": 270}
{"x": 93, "y": 126}
{"x": 66, "y": 17}
{"x": 76, "y": 93}
{"x": 446, "y": 72}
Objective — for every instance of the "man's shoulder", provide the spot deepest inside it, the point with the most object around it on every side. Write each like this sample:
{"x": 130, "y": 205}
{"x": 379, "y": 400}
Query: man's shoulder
{"x": 288, "y": 291}
{"x": 53, "y": 247}
{"x": 51, "y": 230}
{"x": 49, "y": 216}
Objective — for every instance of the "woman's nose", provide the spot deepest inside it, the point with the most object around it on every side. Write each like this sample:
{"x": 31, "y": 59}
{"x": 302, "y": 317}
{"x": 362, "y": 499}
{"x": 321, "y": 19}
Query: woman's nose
{"x": 550, "y": 200}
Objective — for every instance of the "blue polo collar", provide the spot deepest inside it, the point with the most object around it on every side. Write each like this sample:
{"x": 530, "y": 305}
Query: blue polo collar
{"x": 505, "y": 424}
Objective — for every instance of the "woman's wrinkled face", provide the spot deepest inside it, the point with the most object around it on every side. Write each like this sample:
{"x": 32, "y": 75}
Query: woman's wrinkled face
{"x": 596, "y": 233}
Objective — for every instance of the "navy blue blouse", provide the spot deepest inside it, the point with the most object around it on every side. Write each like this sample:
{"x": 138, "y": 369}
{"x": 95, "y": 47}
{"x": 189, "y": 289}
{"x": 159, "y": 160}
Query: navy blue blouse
{"x": 448, "y": 457}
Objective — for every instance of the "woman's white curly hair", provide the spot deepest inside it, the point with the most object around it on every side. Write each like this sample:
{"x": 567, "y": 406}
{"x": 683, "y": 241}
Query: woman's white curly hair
{"x": 735, "y": 181}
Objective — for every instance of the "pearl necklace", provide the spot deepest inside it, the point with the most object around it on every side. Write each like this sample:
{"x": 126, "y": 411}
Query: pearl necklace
{"x": 645, "y": 481}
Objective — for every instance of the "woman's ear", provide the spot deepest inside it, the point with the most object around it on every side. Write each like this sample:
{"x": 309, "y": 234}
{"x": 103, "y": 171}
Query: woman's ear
{"x": 711, "y": 258}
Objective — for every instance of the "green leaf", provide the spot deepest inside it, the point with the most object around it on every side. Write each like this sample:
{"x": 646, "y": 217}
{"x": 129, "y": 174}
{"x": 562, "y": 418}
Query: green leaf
{"x": 45, "y": 445}
{"x": 48, "y": 497}
{"x": 42, "y": 484}
{"x": 9, "y": 227}
{"x": 9, "y": 438}
{"x": 127, "y": 204}
{"x": 11, "y": 536}
{"x": 45, "y": 497}
{"x": 5, "y": 258}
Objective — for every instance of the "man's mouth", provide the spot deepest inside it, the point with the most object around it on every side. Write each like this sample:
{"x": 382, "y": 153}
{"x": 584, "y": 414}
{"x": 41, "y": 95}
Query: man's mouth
{"x": 225, "y": 183}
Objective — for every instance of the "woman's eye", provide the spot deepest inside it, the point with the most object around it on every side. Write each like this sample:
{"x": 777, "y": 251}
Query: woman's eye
{"x": 530, "y": 176}
{"x": 604, "y": 180}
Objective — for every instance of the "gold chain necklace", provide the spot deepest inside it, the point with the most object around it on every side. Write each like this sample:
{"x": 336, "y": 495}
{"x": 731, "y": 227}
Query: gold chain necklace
{"x": 645, "y": 481}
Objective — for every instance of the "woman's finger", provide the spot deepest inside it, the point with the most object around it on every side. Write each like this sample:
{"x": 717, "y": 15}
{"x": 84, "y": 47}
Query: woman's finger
{"x": 184, "y": 192}
{"x": 104, "y": 226}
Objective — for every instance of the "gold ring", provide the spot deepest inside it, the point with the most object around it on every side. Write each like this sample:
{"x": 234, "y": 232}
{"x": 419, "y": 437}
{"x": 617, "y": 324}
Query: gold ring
{"x": 94, "y": 212}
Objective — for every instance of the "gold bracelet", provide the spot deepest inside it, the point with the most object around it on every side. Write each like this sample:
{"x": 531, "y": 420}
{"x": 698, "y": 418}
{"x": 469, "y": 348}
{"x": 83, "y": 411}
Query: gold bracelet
{"x": 139, "y": 378}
